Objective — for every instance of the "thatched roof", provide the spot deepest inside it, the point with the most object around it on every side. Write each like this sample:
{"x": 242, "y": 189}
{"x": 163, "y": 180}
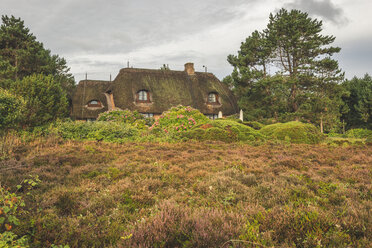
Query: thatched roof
{"x": 167, "y": 88}
{"x": 86, "y": 91}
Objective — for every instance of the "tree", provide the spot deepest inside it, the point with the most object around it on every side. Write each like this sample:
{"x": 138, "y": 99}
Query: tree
{"x": 22, "y": 55}
{"x": 358, "y": 101}
{"x": 44, "y": 98}
{"x": 293, "y": 55}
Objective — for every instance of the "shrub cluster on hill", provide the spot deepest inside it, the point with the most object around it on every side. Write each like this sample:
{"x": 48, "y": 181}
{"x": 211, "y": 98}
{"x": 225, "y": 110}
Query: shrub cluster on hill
{"x": 294, "y": 132}
{"x": 98, "y": 130}
{"x": 180, "y": 124}
{"x": 223, "y": 130}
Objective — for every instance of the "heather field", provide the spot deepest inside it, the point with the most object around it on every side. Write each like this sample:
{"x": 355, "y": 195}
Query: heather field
{"x": 191, "y": 194}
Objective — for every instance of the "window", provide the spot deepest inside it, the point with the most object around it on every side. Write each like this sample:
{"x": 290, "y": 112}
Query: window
{"x": 212, "y": 98}
{"x": 212, "y": 116}
{"x": 143, "y": 96}
{"x": 94, "y": 104}
{"x": 148, "y": 115}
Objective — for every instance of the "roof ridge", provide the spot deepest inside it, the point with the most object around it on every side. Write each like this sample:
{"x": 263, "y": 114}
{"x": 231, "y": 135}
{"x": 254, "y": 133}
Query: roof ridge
{"x": 158, "y": 71}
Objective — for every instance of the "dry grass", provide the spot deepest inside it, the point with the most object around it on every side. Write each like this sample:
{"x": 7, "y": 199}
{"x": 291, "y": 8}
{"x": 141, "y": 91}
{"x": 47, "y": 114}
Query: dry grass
{"x": 194, "y": 194}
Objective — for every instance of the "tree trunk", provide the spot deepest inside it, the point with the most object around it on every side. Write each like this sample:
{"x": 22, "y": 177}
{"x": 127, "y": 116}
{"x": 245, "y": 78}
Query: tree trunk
{"x": 293, "y": 98}
{"x": 321, "y": 123}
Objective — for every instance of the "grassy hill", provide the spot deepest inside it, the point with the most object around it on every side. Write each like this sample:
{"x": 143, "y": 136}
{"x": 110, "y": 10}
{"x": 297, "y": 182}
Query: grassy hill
{"x": 192, "y": 194}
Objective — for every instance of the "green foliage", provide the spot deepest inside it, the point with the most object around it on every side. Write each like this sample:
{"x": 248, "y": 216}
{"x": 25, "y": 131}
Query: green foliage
{"x": 223, "y": 130}
{"x": 10, "y": 205}
{"x": 11, "y": 110}
{"x": 359, "y": 133}
{"x": 177, "y": 120}
{"x": 98, "y": 130}
{"x": 287, "y": 70}
{"x": 22, "y": 55}
{"x": 44, "y": 99}
{"x": 126, "y": 116}
{"x": 294, "y": 132}
{"x": 358, "y": 102}
{"x": 254, "y": 124}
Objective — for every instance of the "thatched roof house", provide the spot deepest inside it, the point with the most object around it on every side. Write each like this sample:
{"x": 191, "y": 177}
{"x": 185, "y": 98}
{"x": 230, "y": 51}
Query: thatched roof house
{"x": 152, "y": 92}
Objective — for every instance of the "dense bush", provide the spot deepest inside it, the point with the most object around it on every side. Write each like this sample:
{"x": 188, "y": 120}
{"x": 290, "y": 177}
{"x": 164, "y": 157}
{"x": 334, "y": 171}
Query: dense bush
{"x": 10, "y": 205}
{"x": 223, "y": 130}
{"x": 254, "y": 124}
{"x": 126, "y": 116}
{"x": 359, "y": 133}
{"x": 177, "y": 120}
{"x": 99, "y": 130}
{"x": 44, "y": 97}
{"x": 294, "y": 132}
{"x": 11, "y": 110}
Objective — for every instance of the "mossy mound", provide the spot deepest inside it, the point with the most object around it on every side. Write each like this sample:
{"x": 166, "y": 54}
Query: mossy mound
{"x": 294, "y": 132}
{"x": 223, "y": 130}
{"x": 254, "y": 124}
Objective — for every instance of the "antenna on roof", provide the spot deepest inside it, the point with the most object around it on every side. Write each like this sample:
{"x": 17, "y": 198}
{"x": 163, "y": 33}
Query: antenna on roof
{"x": 206, "y": 69}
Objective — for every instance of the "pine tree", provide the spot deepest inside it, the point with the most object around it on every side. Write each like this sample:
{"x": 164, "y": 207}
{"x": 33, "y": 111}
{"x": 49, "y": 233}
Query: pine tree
{"x": 289, "y": 63}
{"x": 22, "y": 55}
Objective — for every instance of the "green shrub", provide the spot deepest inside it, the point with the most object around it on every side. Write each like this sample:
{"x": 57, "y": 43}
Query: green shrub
{"x": 177, "y": 120}
{"x": 126, "y": 116}
{"x": 10, "y": 205}
{"x": 242, "y": 132}
{"x": 11, "y": 110}
{"x": 254, "y": 124}
{"x": 360, "y": 133}
{"x": 294, "y": 132}
{"x": 44, "y": 97}
{"x": 98, "y": 130}
{"x": 225, "y": 130}
{"x": 219, "y": 134}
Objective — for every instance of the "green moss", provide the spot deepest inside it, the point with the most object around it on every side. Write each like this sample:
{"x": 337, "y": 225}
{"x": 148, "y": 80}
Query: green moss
{"x": 242, "y": 132}
{"x": 294, "y": 132}
{"x": 219, "y": 134}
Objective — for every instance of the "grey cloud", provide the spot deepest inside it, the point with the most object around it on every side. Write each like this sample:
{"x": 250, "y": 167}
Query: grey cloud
{"x": 95, "y": 26}
{"x": 322, "y": 8}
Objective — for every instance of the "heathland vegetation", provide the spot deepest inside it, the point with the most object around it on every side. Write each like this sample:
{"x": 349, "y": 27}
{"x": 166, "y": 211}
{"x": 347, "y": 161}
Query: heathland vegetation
{"x": 295, "y": 173}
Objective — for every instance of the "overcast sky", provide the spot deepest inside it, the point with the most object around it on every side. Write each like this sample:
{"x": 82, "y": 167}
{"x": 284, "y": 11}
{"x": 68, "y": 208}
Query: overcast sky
{"x": 100, "y": 36}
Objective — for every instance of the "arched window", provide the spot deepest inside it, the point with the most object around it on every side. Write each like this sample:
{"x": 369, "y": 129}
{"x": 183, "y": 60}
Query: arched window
{"x": 212, "y": 97}
{"x": 143, "y": 96}
{"x": 94, "y": 104}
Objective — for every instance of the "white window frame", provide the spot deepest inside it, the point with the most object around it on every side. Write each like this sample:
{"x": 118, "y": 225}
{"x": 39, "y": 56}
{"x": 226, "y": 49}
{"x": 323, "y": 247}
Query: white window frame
{"x": 142, "y": 95}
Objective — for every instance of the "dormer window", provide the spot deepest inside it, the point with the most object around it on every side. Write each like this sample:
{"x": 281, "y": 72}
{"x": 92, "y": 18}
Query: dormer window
{"x": 212, "y": 98}
{"x": 143, "y": 96}
{"x": 94, "y": 104}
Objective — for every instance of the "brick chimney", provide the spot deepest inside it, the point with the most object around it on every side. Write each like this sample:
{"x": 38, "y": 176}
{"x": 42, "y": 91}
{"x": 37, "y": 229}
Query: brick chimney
{"x": 189, "y": 68}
